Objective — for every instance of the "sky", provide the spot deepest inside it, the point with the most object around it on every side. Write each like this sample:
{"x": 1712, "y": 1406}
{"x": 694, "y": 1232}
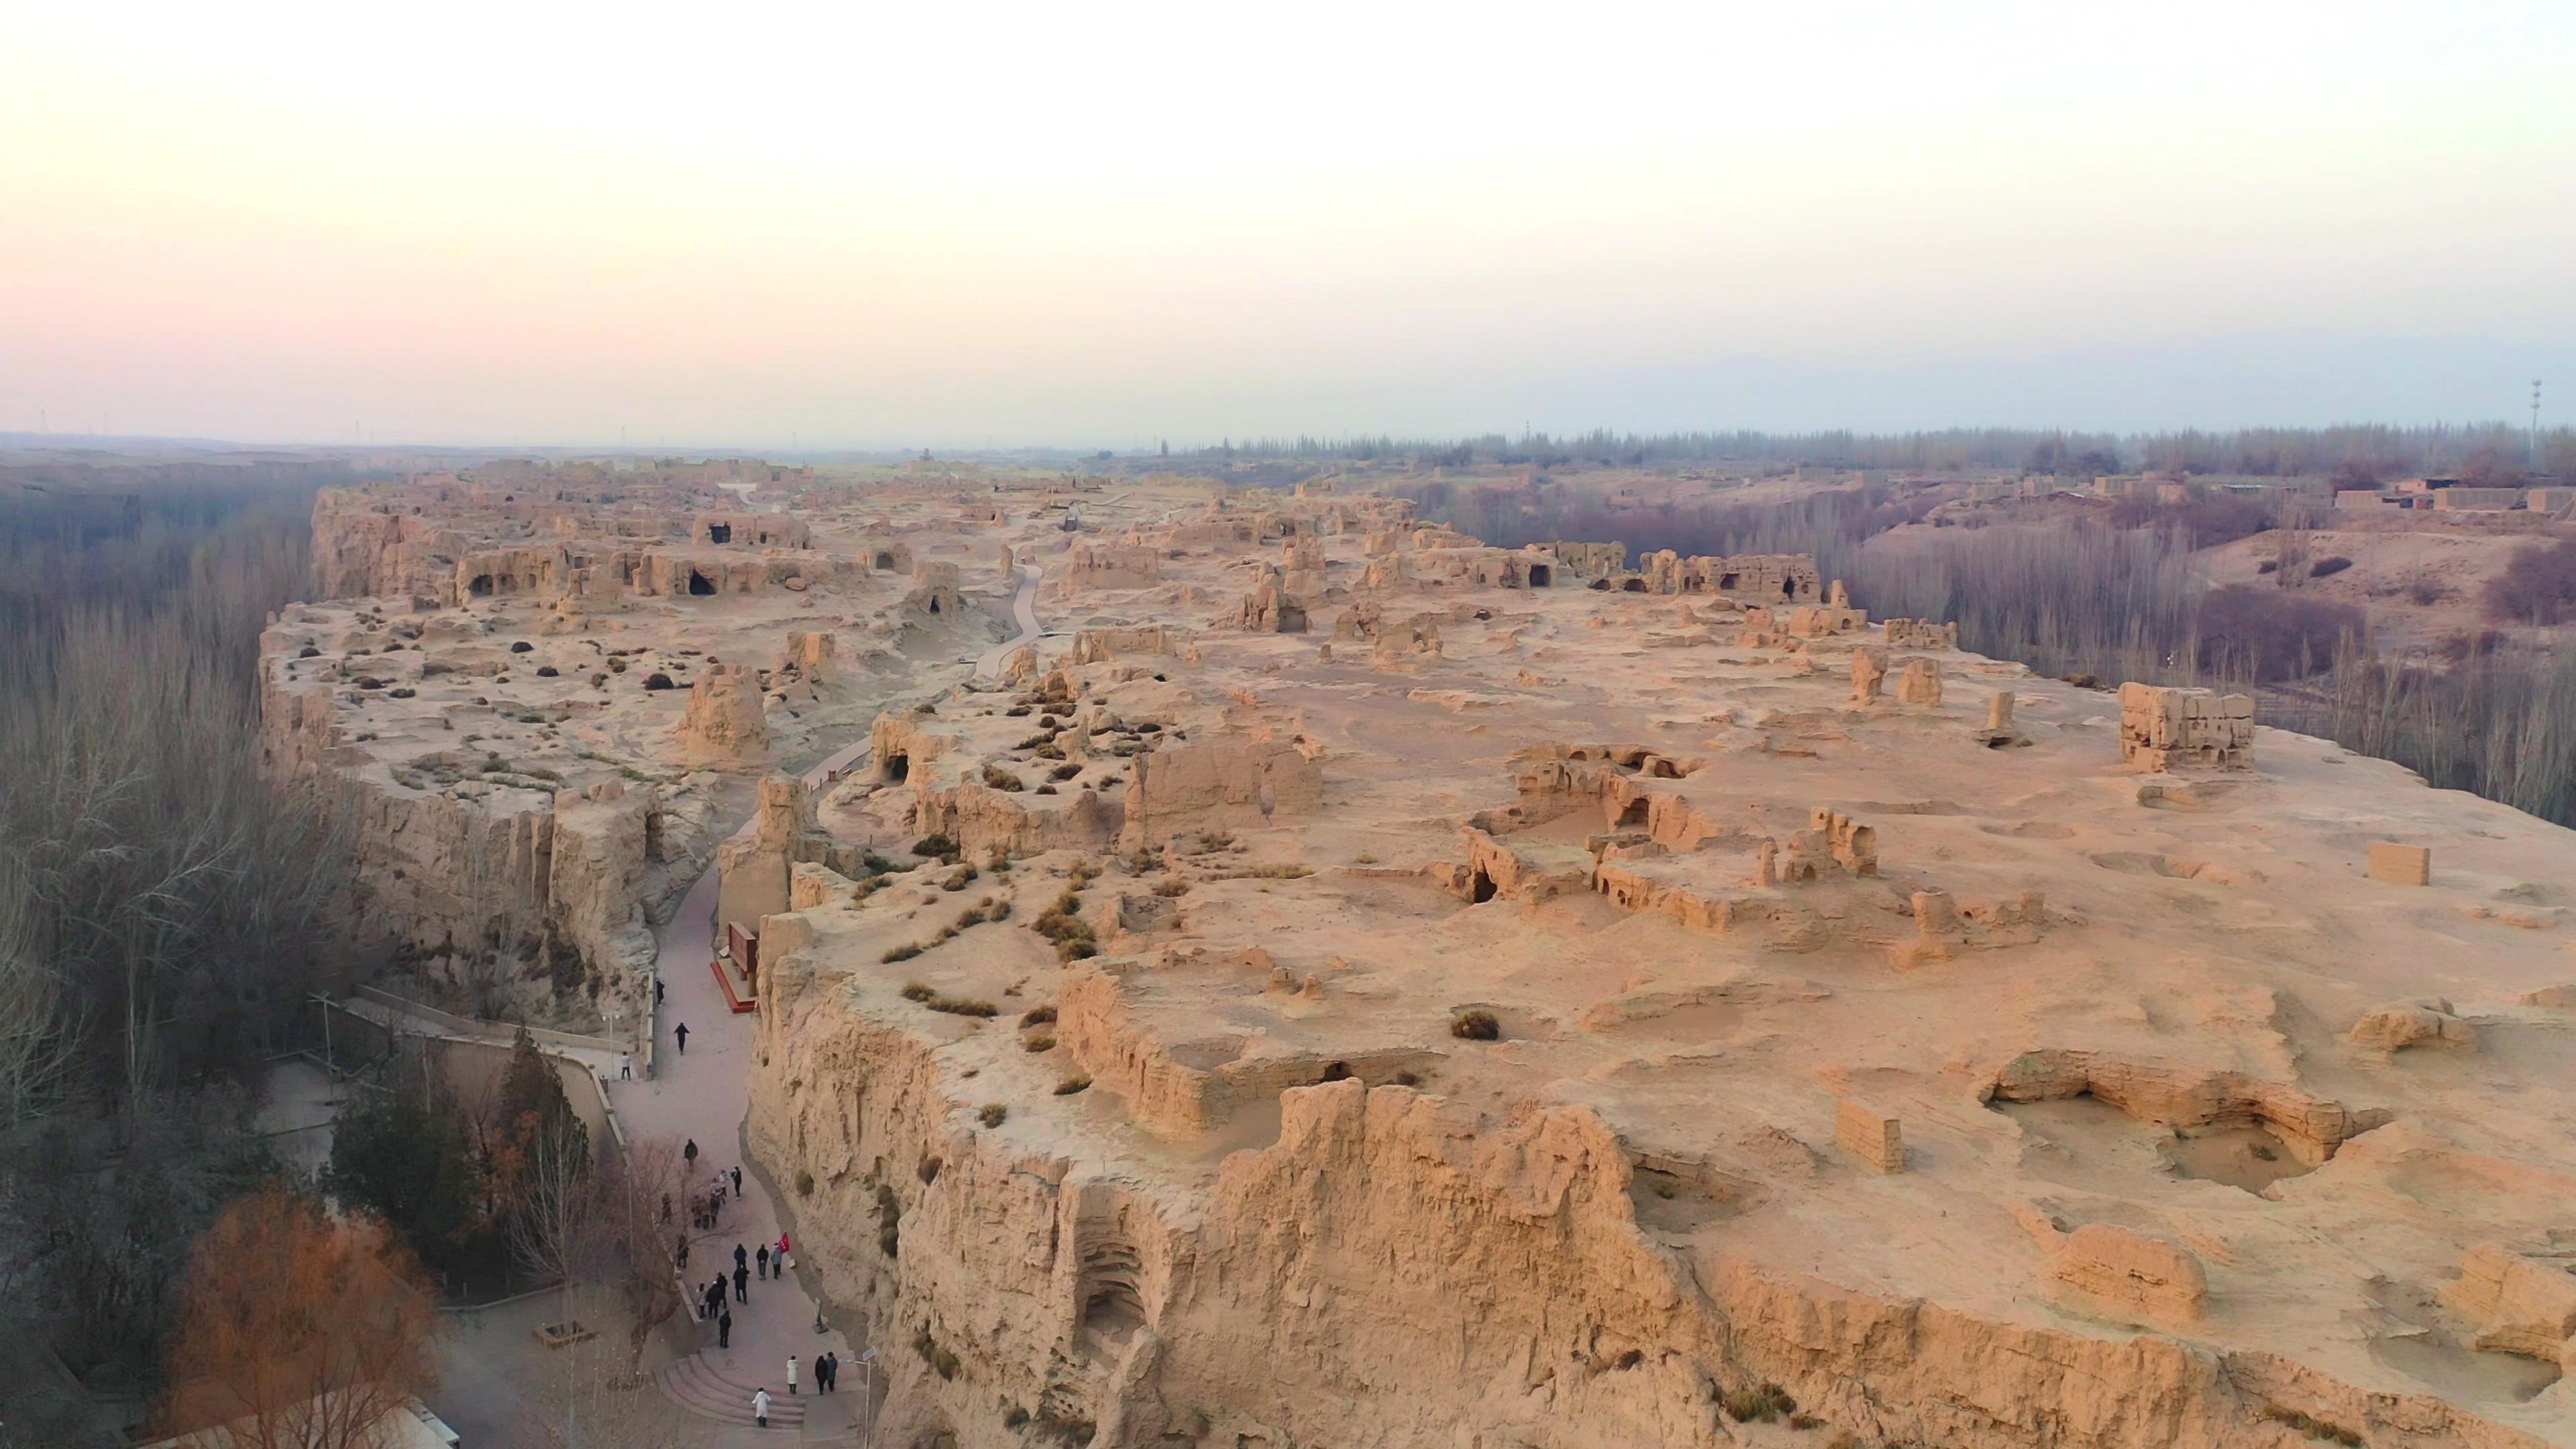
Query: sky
{"x": 954, "y": 226}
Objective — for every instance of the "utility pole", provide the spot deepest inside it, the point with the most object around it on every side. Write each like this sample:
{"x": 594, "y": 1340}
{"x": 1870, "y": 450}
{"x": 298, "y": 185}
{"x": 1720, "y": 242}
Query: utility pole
{"x": 2534, "y": 446}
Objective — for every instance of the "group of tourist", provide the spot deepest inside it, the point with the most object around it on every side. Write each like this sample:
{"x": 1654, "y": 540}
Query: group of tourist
{"x": 827, "y": 1379}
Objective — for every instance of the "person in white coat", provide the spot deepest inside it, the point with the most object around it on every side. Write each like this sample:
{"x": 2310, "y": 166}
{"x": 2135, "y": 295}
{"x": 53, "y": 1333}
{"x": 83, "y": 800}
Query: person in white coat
{"x": 791, "y": 1373}
{"x": 760, "y": 1406}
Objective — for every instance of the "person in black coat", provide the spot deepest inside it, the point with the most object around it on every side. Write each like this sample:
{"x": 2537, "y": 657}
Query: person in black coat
{"x": 741, "y": 1285}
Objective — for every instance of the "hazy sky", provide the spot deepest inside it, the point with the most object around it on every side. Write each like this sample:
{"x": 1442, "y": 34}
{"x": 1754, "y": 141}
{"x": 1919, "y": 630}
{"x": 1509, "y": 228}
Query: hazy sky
{"x": 737, "y": 224}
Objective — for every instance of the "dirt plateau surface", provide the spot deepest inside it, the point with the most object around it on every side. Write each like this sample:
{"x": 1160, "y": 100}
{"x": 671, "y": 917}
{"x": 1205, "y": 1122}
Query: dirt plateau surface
{"x": 1357, "y": 987}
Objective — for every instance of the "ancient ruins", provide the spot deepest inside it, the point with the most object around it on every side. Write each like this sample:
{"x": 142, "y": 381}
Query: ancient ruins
{"x": 1348, "y": 984}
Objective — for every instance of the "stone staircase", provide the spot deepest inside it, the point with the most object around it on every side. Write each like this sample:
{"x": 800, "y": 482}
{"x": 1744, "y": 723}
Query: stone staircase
{"x": 711, "y": 1390}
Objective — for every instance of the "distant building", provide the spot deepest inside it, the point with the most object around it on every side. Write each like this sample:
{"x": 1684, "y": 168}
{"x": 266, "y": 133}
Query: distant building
{"x": 2461, "y": 497}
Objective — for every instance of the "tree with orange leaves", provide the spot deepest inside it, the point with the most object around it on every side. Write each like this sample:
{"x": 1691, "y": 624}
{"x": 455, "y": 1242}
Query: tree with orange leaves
{"x": 299, "y": 1329}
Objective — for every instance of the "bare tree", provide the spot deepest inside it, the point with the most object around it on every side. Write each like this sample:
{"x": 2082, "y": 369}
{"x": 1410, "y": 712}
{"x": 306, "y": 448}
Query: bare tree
{"x": 633, "y": 1192}
{"x": 551, "y": 1227}
{"x": 36, "y": 1034}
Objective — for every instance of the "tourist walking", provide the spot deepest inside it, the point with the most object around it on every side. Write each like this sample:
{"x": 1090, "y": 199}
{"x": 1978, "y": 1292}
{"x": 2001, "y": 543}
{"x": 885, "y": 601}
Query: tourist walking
{"x": 791, "y": 1373}
{"x": 680, "y": 1034}
{"x": 741, "y": 1286}
{"x": 626, "y": 1066}
{"x": 739, "y": 1257}
{"x": 690, "y": 1153}
{"x": 737, "y": 1182}
{"x": 724, "y": 1329}
{"x": 760, "y": 1406}
{"x": 657, "y": 991}
{"x": 827, "y": 1370}
{"x": 762, "y": 1257}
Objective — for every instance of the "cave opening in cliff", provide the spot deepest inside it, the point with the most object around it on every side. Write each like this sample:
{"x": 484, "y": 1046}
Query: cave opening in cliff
{"x": 885, "y": 561}
{"x": 1635, "y": 586}
{"x": 481, "y": 588}
{"x": 897, "y": 766}
{"x": 1540, "y": 576}
{"x": 1481, "y": 888}
{"x": 1788, "y": 588}
{"x": 1113, "y": 1315}
{"x": 719, "y": 533}
{"x": 699, "y": 584}
{"x": 934, "y": 603}
{"x": 1729, "y": 583}
{"x": 1635, "y": 814}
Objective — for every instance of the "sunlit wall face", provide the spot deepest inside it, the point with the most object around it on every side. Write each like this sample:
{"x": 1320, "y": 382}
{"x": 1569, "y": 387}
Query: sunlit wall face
{"x": 714, "y": 224}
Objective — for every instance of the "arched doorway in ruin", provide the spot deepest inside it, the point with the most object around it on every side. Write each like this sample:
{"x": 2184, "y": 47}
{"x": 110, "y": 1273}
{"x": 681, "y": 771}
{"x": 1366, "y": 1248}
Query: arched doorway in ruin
{"x": 699, "y": 583}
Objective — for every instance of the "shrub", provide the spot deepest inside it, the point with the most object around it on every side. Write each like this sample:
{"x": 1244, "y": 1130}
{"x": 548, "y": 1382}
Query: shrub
{"x": 1805, "y": 1421}
{"x": 1172, "y": 889}
{"x": 804, "y": 1183}
{"x": 1765, "y": 1404}
{"x": 946, "y": 1363}
{"x": 520, "y": 646}
{"x": 993, "y": 1114}
{"x": 1044, "y": 790}
{"x": 1408, "y": 1079}
{"x": 1064, "y": 772}
{"x": 928, "y": 1172}
{"x": 958, "y": 879}
{"x": 997, "y": 778}
{"x": 1037, "y": 1016}
{"x": 2205, "y": 521}
{"x": 1475, "y": 1024}
{"x": 1017, "y": 711}
{"x": 962, "y": 1006}
{"x": 1071, "y": 1085}
{"x": 2538, "y": 586}
{"x": 2272, "y": 636}
{"x": 658, "y": 680}
{"x": 935, "y": 846}
{"x": 925, "y": 707}
{"x": 2269, "y": 565}
{"x": 2460, "y": 644}
{"x": 917, "y": 991}
{"x": 402, "y": 691}
{"x": 888, "y": 1238}
{"x": 2328, "y": 567}
{"x": 1015, "y": 1417}
{"x": 1039, "y": 1043}
{"x": 904, "y": 952}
